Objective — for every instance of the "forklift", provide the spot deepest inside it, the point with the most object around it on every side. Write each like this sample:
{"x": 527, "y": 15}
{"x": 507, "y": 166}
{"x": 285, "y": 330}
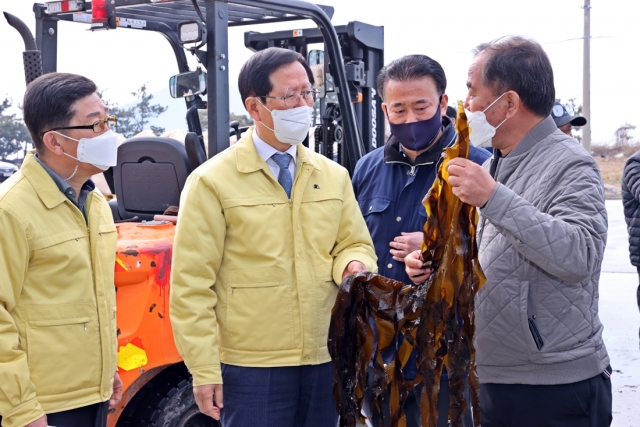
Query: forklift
{"x": 151, "y": 171}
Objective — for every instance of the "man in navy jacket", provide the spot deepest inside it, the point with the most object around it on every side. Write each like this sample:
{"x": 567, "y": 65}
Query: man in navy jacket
{"x": 391, "y": 181}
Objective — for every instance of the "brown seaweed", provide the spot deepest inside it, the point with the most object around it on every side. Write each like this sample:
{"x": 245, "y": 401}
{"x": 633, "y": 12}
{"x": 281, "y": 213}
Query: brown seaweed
{"x": 436, "y": 317}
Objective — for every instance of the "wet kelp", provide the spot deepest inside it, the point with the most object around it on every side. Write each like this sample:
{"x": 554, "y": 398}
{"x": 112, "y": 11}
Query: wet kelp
{"x": 436, "y": 317}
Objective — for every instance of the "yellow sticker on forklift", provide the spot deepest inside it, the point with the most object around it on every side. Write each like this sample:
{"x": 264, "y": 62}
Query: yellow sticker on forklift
{"x": 131, "y": 357}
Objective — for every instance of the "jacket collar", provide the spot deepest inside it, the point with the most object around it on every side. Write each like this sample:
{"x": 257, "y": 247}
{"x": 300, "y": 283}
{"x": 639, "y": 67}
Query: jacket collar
{"x": 68, "y": 190}
{"x": 248, "y": 160}
{"x": 42, "y": 182}
{"x": 542, "y": 130}
{"x": 393, "y": 152}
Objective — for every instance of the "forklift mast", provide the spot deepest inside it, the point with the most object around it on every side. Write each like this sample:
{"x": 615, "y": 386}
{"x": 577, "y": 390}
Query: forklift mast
{"x": 353, "y": 54}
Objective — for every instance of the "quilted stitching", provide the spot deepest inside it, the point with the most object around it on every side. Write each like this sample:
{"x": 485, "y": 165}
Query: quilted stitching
{"x": 552, "y": 235}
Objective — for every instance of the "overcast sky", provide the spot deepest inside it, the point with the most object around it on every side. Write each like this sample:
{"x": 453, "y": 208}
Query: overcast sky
{"x": 121, "y": 60}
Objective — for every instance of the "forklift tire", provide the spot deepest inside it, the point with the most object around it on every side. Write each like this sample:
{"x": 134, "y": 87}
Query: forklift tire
{"x": 179, "y": 409}
{"x": 166, "y": 401}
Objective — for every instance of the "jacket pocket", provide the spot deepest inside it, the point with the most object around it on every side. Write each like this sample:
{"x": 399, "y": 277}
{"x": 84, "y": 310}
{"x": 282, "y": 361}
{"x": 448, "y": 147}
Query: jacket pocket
{"x": 374, "y": 206}
{"x": 319, "y": 220}
{"x": 64, "y": 354}
{"x": 537, "y": 338}
{"x": 259, "y": 310}
{"x": 531, "y": 335}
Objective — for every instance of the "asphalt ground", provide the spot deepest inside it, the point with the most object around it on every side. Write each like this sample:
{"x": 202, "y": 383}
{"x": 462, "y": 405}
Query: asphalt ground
{"x": 621, "y": 319}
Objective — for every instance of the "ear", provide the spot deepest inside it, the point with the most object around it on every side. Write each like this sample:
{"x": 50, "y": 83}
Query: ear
{"x": 251, "y": 104}
{"x": 51, "y": 143}
{"x": 514, "y": 104}
{"x": 444, "y": 102}
{"x": 384, "y": 110}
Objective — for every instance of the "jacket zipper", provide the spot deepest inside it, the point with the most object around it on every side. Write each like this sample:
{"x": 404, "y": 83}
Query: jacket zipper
{"x": 412, "y": 171}
{"x": 535, "y": 333}
{"x": 413, "y": 167}
{"x": 484, "y": 220}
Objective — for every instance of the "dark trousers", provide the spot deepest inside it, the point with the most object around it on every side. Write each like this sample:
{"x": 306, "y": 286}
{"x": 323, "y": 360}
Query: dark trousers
{"x": 582, "y": 404}
{"x": 290, "y": 396}
{"x": 88, "y": 416}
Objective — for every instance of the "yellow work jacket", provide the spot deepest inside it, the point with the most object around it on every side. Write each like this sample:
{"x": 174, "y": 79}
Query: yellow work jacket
{"x": 254, "y": 273}
{"x": 57, "y": 298}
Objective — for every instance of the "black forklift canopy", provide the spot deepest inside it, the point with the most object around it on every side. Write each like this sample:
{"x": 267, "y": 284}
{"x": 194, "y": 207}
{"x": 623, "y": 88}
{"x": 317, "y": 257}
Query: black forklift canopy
{"x": 214, "y": 17}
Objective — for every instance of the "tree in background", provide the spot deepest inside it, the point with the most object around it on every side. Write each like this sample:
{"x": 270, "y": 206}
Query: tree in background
{"x": 242, "y": 118}
{"x": 14, "y": 136}
{"x": 135, "y": 119}
{"x": 623, "y": 136}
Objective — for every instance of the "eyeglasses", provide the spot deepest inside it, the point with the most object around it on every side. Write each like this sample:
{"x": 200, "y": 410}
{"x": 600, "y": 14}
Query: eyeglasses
{"x": 97, "y": 126}
{"x": 291, "y": 99}
{"x": 560, "y": 110}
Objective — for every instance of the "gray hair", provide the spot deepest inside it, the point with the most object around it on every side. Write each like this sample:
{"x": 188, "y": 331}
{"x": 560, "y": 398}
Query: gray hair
{"x": 519, "y": 64}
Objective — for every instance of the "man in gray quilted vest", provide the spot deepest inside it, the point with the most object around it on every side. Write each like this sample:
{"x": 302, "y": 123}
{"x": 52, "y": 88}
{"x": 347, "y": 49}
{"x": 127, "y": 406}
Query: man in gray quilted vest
{"x": 542, "y": 233}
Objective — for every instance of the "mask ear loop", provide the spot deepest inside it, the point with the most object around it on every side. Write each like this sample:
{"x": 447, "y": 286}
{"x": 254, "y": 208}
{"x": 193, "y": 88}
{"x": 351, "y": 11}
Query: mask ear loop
{"x": 76, "y": 169}
{"x": 491, "y": 105}
{"x": 265, "y": 107}
{"x": 69, "y": 155}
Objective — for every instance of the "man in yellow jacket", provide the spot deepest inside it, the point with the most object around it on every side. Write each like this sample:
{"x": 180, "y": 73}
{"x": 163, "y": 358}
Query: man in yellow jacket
{"x": 267, "y": 230}
{"x": 57, "y": 256}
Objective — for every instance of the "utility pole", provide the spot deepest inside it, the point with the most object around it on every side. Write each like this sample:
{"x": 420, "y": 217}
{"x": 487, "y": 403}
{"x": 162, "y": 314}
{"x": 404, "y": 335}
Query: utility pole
{"x": 586, "y": 77}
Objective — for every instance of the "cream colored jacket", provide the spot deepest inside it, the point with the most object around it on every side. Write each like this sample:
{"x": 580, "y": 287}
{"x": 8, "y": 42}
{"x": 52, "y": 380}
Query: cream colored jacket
{"x": 57, "y": 298}
{"x": 255, "y": 274}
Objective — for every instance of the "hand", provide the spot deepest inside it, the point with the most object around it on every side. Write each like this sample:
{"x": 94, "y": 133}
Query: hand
{"x": 405, "y": 244}
{"x": 116, "y": 396}
{"x": 413, "y": 266}
{"x": 40, "y": 422}
{"x": 205, "y": 394}
{"x": 352, "y": 268}
{"x": 470, "y": 182}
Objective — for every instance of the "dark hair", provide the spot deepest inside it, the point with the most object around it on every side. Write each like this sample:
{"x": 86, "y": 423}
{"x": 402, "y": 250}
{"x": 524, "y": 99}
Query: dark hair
{"x": 48, "y": 102}
{"x": 412, "y": 67}
{"x": 254, "y": 78}
{"x": 519, "y": 64}
{"x": 451, "y": 112}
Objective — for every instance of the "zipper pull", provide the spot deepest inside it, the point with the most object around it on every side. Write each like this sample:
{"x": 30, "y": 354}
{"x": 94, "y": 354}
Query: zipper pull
{"x": 85, "y": 326}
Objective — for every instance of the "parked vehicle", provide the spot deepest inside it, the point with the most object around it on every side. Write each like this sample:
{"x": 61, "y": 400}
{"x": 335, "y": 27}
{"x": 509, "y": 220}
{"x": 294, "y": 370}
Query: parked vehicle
{"x": 6, "y": 170}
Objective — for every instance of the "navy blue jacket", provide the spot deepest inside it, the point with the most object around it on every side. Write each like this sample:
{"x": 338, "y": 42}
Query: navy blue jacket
{"x": 390, "y": 190}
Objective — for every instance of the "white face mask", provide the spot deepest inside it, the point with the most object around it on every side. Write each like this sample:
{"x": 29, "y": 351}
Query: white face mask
{"x": 290, "y": 126}
{"x": 481, "y": 131}
{"x": 100, "y": 151}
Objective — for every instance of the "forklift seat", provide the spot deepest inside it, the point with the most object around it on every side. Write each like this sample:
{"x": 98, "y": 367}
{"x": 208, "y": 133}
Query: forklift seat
{"x": 149, "y": 176}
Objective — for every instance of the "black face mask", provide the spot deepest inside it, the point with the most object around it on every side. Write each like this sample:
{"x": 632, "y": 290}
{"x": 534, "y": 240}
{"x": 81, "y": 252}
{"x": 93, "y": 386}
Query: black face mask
{"x": 417, "y": 136}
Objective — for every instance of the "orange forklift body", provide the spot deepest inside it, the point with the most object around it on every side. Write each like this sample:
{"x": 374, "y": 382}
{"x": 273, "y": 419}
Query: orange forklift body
{"x": 145, "y": 336}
